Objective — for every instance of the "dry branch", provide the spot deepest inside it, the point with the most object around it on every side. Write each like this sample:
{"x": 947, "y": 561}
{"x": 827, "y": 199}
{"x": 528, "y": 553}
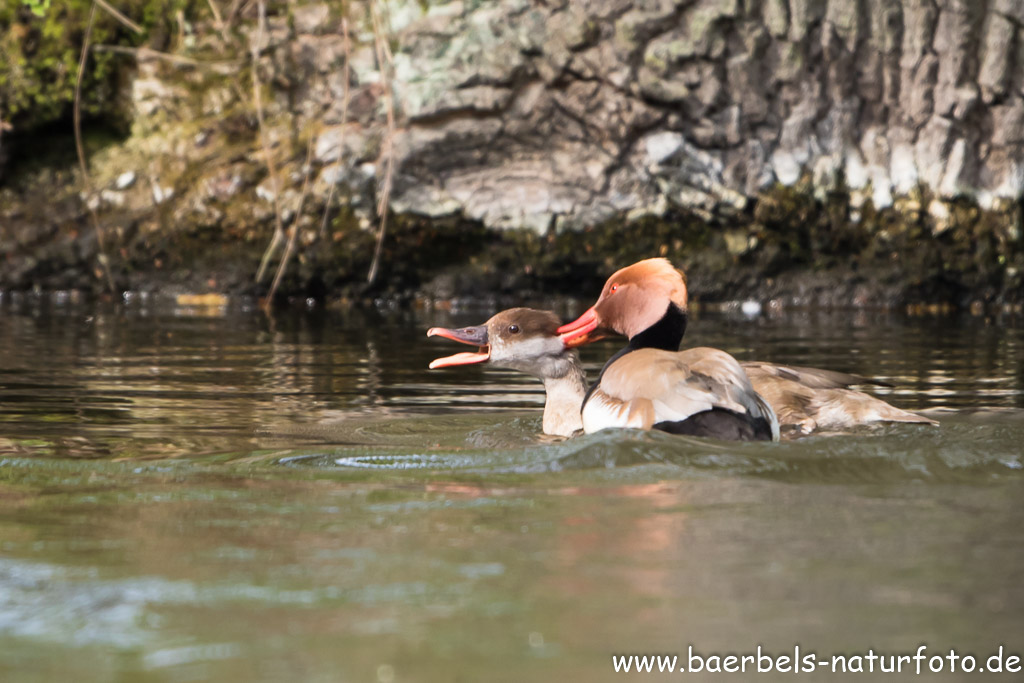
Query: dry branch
{"x": 293, "y": 232}
{"x": 143, "y": 54}
{"x": 387, "y": 156}
{"x": 278, "y": 237}
{"x": 236, "y": 6}
{"x": 80, "y": 148}
{"x": 346, "y": 74}
{"x": 120, "y": 17}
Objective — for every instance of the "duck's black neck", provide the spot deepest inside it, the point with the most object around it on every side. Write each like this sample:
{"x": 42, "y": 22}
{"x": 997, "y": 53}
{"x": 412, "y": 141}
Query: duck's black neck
{"x": 666, "y": 334}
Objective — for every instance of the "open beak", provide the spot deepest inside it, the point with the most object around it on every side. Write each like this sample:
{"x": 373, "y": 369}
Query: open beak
{"x": 582, "y": 330}
{"x": 476, "y": 336}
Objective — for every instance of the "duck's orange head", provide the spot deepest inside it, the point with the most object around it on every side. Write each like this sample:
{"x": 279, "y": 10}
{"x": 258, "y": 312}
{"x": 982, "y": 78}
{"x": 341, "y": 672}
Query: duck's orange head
{"x": 633, "y": 299}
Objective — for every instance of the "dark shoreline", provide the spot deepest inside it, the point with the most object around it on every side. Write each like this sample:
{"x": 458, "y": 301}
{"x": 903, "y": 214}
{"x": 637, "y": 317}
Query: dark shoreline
{"x": 802, "y": 258}
{"x": 206, "y": 303}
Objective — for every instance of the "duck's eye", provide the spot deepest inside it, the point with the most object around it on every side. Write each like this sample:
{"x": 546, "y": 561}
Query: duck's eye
{"x": 614, "y": 288}
{"x": 513, "y": 329}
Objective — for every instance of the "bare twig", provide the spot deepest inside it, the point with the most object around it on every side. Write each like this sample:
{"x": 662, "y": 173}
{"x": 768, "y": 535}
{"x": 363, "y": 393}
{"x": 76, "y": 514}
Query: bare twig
{"x": 293, "y": 231}
{"x": 346, "y": 46}
{"x": 86, "y": 180}
{"x": 387, "y": 155}
{"x": 218, "y": 21}
{"x": 236, "y": 5}
{"x": 120, "y": 17}
{"x": 180, "y": 16}
{"x": 278, "y": 237}
{"x": 143, "y": 54}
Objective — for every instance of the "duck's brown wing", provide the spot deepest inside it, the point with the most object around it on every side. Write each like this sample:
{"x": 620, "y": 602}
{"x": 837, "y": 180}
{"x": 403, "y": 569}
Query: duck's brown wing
{"x": 845, "y": 408}
{"x": 809, "y": 399}
{"x": 812, "y": 378}
{"x": 729, "y": 380}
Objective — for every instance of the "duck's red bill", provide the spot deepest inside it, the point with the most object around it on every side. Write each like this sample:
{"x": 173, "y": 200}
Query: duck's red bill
{"x": 580, "y": 331}
{"x": 465, "y": 335}
{"x": 461, "y": 359}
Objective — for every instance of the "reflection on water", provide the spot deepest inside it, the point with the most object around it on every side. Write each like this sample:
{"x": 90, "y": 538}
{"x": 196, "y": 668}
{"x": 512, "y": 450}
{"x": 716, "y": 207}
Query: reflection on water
{"x": 82, "y": 383}
{"x": 199, "y": 497}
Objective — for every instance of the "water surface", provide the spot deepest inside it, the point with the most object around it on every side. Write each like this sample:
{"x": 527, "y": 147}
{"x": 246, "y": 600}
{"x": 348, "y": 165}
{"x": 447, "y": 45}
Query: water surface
{"x": 192, "y": 494}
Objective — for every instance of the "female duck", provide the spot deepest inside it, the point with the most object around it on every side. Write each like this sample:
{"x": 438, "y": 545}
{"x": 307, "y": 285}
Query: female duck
{"x": 527, "y": 340}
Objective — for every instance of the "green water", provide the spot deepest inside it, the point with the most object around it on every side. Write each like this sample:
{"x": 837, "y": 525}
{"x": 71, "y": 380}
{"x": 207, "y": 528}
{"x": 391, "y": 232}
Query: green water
{"x": 191, "y": 495}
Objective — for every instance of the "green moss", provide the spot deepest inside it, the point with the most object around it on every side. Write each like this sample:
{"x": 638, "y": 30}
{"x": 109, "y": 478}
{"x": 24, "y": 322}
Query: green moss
{"x": 39, "y": 56}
